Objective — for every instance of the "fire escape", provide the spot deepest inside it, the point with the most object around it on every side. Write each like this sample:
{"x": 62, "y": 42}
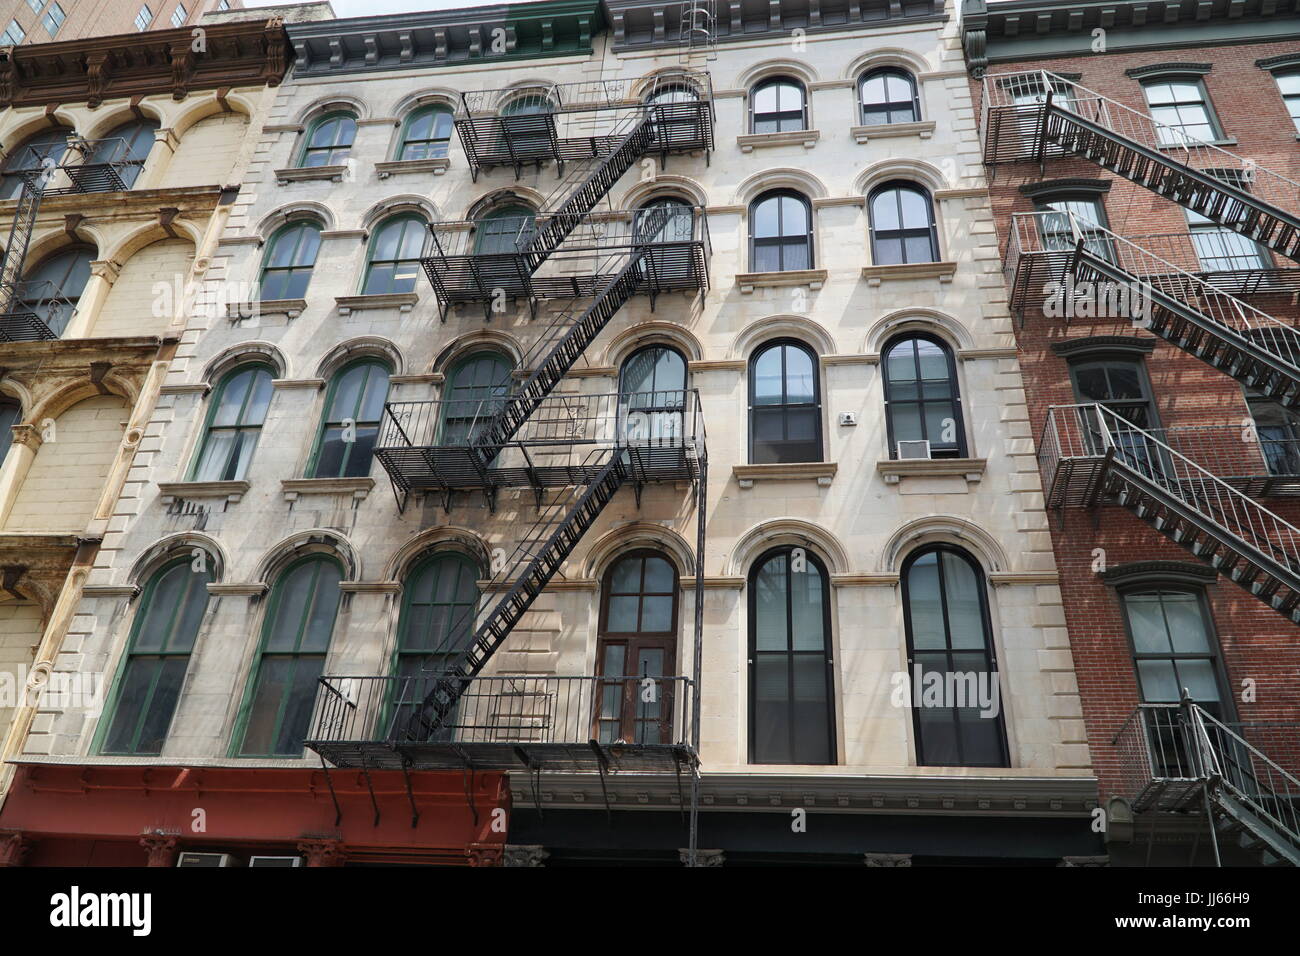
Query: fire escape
{"x": 1196, "y": 486}
{"x": 35, "y": 311}
{"x": 572, "y": 451}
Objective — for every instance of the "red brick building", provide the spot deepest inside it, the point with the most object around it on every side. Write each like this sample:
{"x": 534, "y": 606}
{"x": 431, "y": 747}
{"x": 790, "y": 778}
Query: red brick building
{"x": 1143, "y": 162}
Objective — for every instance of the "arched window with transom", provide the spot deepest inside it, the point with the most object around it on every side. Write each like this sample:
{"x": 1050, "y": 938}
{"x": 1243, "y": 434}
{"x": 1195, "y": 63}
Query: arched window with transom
{"x": 328, "y": 141}
{"x": 50, "y": 292}
{"x": 44, "y": 150}
{"x": 887, "y": 96}
{"x": 426, "y": 134}
{"x": 785, "y": 418}
{"x": 922, "y": 399}
{"x": 236, "y": 413}
{"x": 124, "y": 150}
{"x": 503, "y": 230}
{"x": 778, "y": 105}
{"x": 902, "y": 225}
{"x": 393, "y": 261}
{"x": 289, "y": 261}
{"x": 354, "y": 405}
{"x": 475, "y": 390}
{"x": 780, "y": 232}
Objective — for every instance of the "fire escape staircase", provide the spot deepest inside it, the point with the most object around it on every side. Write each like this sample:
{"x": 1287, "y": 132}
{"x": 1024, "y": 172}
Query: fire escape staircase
{"x": 1203, "y": 320}
{"x": 1037, "y": 115}
{"x": 18, "y": 324}
{"x": 1089, "y": 453}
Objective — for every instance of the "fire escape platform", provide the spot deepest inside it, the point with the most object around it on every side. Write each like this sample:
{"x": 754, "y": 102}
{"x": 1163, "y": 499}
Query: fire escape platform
{"x": 589, "y": 757}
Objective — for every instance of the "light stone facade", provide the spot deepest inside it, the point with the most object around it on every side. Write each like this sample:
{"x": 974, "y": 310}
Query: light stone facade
{"x": 860, "y": 517}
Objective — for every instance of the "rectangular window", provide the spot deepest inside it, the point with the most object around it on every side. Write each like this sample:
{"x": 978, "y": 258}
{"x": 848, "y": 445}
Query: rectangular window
{"x": 179, "y": 15}
{"x": 143, "y": 18}
{"x": 1182, "y": 107}
{"x": 36, "y": 6}
{"x": 53, "y": 19}
{"x": 13, "y": 35}
{"x": 1219, "y": 248}
{"x": 1289, "y": 84}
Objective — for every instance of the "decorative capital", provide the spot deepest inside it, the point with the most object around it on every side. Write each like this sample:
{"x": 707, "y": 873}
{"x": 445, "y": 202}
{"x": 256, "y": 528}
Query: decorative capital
{"x": 105, "y": 269}
{"x": 160, "y": 846}
{"x": 29, "y": 436}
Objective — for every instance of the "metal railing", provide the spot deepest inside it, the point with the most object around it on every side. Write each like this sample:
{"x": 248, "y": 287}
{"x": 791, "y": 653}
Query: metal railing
{"x": 82, "y": 166}
{"x": 39, "y": 310}
{"x": 1052, "y": 238}
{"x": 1233, "y": 450}
{"x": 1020, "y": 99}
{"x": 1094, "y": 431}
{"x": 505, "y": 709}
{"x": 583, "y": 95}
{"x": 598, "y": 231}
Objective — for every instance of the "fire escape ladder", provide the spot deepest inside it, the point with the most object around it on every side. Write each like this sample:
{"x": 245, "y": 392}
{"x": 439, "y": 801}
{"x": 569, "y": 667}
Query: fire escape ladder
{"x": 530, "y": 582}
{"x": 15, "y": 257}
{"x": 1068, "y": 119}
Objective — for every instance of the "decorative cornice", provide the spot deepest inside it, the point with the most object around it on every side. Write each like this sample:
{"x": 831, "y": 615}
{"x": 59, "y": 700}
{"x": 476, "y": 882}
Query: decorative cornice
{"x": 1104, "y": 343}
{"x": 1163, "y": 69}
{"x": 91, "y": 70}
{"x": 1274, "y": 63}
{"x": 1137, "y": 572}
{"x": 1051, "y": 187}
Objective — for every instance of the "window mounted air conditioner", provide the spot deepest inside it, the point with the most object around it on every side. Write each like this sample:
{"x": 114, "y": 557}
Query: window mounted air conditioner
{"x": 205, "y": 859}
{"x": 917, "y": 448}
{"x": 275, "y": 861}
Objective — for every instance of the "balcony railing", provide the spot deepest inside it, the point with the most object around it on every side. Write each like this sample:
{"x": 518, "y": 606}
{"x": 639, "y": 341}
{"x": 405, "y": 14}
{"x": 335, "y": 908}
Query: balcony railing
{"x": 40, "y": 312}
{"x": 83, "y": 166}
{"x": 1254, "y": 459}
{"x": 506, "y": 722}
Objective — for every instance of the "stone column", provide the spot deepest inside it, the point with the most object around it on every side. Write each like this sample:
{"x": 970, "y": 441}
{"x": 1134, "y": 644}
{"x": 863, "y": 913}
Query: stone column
{"x": 26, "y": 440}
{"x": 103, "y": 273}
{"x": 524, "y": 855}
{"x": 887, "y": 859}
{"x": 161, "y": 848}
{"x": 159, "y": 159}
{"x": 322, "y": 852}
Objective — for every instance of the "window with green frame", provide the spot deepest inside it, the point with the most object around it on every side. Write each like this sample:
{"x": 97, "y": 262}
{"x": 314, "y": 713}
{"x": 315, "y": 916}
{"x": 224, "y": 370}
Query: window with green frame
{"x": 290, "y": 258}
{"x": 503, "y": 230}
{"x": 328, "y": 141}
{"x": 235, "y": 418}
{"x": 426, "y": 134}
{"x": 475, "y": 391}
{"x": 274, "y": 718}
{"x": 351, "y": 421}
{"x": 149, "y": 680}
{"x": 393, "y": 261}
{"x": 440, "y": 598}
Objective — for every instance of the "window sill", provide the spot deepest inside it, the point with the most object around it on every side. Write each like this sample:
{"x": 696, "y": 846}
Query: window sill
{"x": 807, "y": 138}
{"x": 358, "y": 488}
{"x": 232, "y": 491}
{"x": 894, "y": 470}
{"x": 822, "y": 471}
{"x": 249, "y": 310}
{"x": 943, "y": 271}
{"x": 300, "y": 174}
{"x": 749, "y": 281}
{"x": 402, "y": 301}
{"x": 397, "y": 167}
{"x": 864, "y": 134}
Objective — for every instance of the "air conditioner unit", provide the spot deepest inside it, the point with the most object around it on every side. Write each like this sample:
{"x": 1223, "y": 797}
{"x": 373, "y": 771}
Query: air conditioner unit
{"x": 918, "y": 448}
{"x": 205, "y": 859}
{"x": 275, "y": 861}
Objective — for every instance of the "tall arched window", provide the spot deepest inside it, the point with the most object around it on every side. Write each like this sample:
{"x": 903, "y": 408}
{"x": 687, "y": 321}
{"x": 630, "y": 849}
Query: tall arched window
{"x": 889, "y": 96}
{"x": 922, "y": 401}
{"x": 235, "y": 417}
{"x": 475, "y": 390}
{"x": 791, "y": 717}
{"x": 957, "y": 715}
{"x": 426, "y": 134}
{"x": 652, "y": 390}
{"x": 149, "y": 681}
{"x": 393, "y": 261}
{"x": 11, "y": 414}
{"x": 785, "y": 418}
{"x": 289, "y": 261}
{"x": 780, "y": 232}
{"x": 328, "y": 141}
{"x": 126, "y": 147}
{"x": 503, "y": 230}
{"x": 638, "y": 639}
{"x": 778, "y": 105}
{"x": 353, "y": 408}
{"x": 295, "y": 640}
{"x": 28, "y": 158}
{"x": 52, "y": 290}
{"x": 902, "y": 225}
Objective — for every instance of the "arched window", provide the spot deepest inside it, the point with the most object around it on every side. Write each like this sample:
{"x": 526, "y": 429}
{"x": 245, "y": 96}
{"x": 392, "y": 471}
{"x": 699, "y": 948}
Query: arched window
{"x": 426, "y": 134}
{"x": 957, "y": 713}
{"x": 393, "y": 261}
{"x": 675, "y": 115}
{"x": 778, "y": 105}
{"x": 52, "y": 290}
{"x": 126, "y": 147}
{"x": 11, "y": 414}
{"x": 652, "y": 394}
{"x": 475, "y": 390}
{"x": 922, "y": 401}
{"x": 525, "y": 135}
{"x": 295, "y": 640}
{"x": 902, "y": 225}
{"x": 28, "y": 158}
{"x": 785, "y": 417}
{"x": 889, "y": 96}
{"x": 353, "y": 408}
{"x": 666, "y": 219}
{"x": 503, "y": 230}
{"x": 440, "y": 599}
{"x": 328, "y": 141}
{"x": 290, "y": 258}
{"x": 235, "y": 417}
{"x": 158, "y": 655}
{"x": 780, "y": 232}
{"x": 791, "y": 718}
{"x": 638, "y": 639}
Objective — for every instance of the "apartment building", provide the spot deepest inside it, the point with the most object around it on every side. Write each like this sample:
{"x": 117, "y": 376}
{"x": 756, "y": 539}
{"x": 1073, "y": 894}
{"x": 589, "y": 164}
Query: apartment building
{"x": 117, "y": 180}
{"x": 1144, "y": 168}
{"x": 609, "y": 445}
